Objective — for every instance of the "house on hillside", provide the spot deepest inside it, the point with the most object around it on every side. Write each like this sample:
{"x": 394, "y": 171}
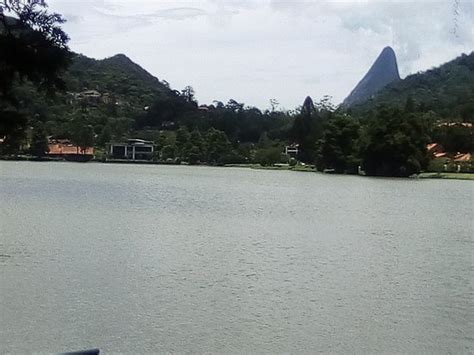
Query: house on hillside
{"x": 462, "y": 157}
{"x": 132, "y": 149}
{"x": 92, "y": 97}
{"x": 436, "y": 150}
{"x": 87, "y": 94}
{"x": 454, "y": 124}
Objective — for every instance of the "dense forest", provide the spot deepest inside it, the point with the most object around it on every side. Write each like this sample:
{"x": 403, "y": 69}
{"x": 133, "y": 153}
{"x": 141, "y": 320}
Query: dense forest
{"x": 93, "y": 102}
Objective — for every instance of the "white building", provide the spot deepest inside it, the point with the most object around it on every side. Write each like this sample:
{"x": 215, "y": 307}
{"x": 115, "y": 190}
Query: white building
{"x": 292, "y": 150}
{"x": 133, "y": 149}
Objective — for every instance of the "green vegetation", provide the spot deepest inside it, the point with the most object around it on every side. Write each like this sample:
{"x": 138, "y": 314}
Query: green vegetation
{"x": 299, "y": 167}
{"x": 33, "y": 49}
{"x": 456, "y": 176}
{"x": 93, "y": 102}
{"x": 39, "y": 143}
{"x": 447, "y": 165}
{"x": 337, "y": 148}
{"x": 394, "y": 144}
{"x": 447, "y": 92}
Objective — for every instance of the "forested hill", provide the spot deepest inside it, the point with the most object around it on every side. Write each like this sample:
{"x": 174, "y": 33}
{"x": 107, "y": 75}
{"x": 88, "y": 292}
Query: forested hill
{"x": 110, "y": 92}
{"x": 117, "y": 75}
{"x": 447, "y": 90}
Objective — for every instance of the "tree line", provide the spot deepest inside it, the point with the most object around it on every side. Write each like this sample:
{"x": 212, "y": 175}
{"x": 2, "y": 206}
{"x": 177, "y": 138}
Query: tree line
{"x": 386, "y": 139}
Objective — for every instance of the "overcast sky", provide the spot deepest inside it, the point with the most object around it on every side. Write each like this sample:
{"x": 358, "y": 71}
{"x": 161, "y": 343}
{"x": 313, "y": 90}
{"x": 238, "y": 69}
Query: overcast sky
{"x": 254, "y": 51}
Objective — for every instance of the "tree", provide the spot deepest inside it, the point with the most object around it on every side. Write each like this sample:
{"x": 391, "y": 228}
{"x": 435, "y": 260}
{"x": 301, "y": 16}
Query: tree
{"x": 161, "y": 141}
{"x": 194, "y": 155}
{"x": 235, "y": 106}
{"x": 188, "y": 93}
{"x": 168, "y": 152}
{"x": 325, "y": 104}
{"x": 39, "y": 141}
{"x": 81, "y": 134}
{"x": 268, "y": 156}
{"x": 196, "y": 152}
{"x": 32, "y": 47}
{"x": 105, "y": 136}
{"x": 182, "y": 140}
{"x": 120, "y": 127}
{"x": 218, "y": 104}
{"x": 306, "y": 131}
{"x": 409, "y": 105}
{"x": 32, "y": 44}
{"x": 12, "y": 130}
{"x": 264, "y": 141}
{"x": 274, "y": 104}
{"x": 338, "y": 147}
{"x": 218, "y": 146}
{"x": 394, "y": 144}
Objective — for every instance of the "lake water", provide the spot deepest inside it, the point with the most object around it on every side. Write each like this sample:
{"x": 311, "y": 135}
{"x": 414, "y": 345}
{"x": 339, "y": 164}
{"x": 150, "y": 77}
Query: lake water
{"x": 142, "y": 258}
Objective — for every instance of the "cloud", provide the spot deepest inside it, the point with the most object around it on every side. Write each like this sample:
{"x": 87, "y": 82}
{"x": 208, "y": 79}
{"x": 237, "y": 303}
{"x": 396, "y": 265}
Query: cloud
{"x": 172, "y": 13}
{"x": 179, "y": 13}
{"x": 256, "y": 50}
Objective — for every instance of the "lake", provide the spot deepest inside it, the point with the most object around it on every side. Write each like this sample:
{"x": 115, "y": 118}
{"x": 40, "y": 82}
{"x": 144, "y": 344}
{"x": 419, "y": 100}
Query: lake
{"x": 154, "y": 258}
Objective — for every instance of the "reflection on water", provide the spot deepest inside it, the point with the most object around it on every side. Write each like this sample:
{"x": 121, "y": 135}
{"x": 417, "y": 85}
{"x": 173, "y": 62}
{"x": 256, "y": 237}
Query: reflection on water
{"x": 196, "y": 259}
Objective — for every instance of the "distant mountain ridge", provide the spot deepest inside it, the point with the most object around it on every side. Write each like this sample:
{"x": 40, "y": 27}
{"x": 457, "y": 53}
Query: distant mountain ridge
{"x": 447, "y": 91}
{"x": 384, "y": 71}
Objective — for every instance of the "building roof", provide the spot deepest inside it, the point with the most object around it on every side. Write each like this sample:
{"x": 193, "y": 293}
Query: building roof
{"x": 138, "y": 141}
{"x": 69, "y": 149}
{"x": 451, "y": 124}
{"x": 462, "y": 157}
{"x": 90, "y": 93}
{"x": 431, "y": 146}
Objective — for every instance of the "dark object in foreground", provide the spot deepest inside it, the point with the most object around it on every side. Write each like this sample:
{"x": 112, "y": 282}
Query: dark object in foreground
{"x": 83, "y": 352}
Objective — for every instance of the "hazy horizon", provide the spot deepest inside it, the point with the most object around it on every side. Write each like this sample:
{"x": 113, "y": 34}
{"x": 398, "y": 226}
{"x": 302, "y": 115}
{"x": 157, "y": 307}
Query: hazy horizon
{"x": 256, "y": 51}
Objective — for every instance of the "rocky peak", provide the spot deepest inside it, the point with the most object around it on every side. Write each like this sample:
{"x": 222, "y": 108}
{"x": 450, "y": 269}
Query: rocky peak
{"x": 308, "y": 105}
{"x": 383, "y": 72}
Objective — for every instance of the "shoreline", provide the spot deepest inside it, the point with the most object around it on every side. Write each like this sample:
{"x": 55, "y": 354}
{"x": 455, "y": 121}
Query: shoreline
{"x": 279, "y": 167}
{"x": 446, "y": 176}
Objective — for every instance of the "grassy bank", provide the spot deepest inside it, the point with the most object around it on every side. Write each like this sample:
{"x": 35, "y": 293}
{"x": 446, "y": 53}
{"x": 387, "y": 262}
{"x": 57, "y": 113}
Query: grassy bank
{"x": 456, "y": 176}
{"x": 305, "y": 168}
{"x": 311, "y": 168}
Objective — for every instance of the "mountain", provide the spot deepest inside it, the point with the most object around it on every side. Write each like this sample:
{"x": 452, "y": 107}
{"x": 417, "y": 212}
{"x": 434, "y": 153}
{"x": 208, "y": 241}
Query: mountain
{"x": 118, "y": 76}
{"x": 308, "y": 105}
{"x": 447, "y": 91}
{"x": 383, "y": 72}
{"x": 105, "y": 94}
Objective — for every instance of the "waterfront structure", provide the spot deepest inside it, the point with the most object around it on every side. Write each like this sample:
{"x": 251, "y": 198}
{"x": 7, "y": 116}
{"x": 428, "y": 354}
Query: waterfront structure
{"x": 133, "y": 149}
{"x": 292, "y": 150}
{"x": 63, "y": 148}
